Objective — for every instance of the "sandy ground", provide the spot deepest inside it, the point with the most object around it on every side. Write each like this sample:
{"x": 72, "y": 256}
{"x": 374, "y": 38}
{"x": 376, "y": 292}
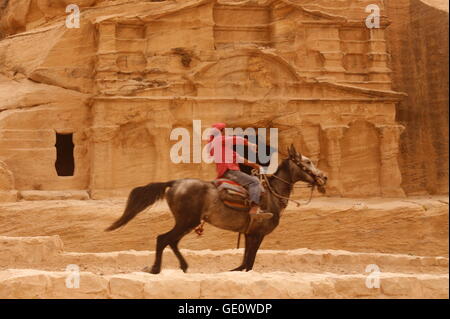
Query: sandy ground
{"x": 321, "y": 250}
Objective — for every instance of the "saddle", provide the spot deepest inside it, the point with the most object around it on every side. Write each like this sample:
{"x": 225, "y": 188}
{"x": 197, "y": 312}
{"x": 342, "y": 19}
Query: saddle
{"x": 232, "y": 194}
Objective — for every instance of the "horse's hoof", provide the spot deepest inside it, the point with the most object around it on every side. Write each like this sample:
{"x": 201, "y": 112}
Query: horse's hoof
{"x": 151, "y": 270}
{"x": 146, "y": 269}
{"x": 240, "y": 268}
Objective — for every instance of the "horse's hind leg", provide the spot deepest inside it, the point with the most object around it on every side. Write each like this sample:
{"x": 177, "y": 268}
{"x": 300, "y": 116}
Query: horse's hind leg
{"x": 187, "y": 226}
{"x": 186, "y": 206}
{"x": 176, "y": 251}
{"x": 161, "y": 243}
{"x": 171, "y": 238}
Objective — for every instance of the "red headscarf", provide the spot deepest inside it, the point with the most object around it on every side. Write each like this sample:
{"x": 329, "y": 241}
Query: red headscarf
{"x": 219, "y": 126}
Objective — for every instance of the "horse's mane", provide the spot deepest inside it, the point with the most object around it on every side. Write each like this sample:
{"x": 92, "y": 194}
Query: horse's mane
{"x": 283, "y": 164}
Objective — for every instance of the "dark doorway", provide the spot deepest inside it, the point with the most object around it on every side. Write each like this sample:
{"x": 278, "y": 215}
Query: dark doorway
{"x": 65, "y": 163}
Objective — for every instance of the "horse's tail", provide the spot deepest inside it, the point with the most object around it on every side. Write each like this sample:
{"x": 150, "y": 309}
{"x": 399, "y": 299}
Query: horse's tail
{"x": 139, "y": 199}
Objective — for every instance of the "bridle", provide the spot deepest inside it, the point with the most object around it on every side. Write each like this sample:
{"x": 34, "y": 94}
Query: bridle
{"x": 305, "y": 169}
{"x": 291, "y": 185}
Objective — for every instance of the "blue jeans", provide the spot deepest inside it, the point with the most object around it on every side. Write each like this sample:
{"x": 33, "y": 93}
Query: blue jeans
{"x": 251, "y": 183}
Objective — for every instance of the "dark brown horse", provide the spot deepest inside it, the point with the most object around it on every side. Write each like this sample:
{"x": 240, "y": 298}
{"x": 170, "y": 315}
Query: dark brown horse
{"x": 193, "y": 200}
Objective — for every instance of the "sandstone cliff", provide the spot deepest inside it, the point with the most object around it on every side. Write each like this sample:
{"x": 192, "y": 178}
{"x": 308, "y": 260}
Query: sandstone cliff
{"x": 418, "y": 39}
{"x": 135, "y": 70}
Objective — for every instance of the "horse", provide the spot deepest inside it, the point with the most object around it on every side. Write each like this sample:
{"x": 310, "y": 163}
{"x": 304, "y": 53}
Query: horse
{"x": 192, "y": 201}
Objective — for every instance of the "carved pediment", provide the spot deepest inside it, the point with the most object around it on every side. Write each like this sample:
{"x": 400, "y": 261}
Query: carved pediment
{"x": 256, "y": 74}
{"x": 245, "y": 72}
{"x": 281, "y": 7}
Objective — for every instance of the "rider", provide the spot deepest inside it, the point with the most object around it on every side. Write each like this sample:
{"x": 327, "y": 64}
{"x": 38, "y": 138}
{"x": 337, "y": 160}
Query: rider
{"x": 229, "y": 168}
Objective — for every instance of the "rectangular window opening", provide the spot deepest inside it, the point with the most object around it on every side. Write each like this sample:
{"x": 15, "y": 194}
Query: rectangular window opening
{"x": 65, "y": 162}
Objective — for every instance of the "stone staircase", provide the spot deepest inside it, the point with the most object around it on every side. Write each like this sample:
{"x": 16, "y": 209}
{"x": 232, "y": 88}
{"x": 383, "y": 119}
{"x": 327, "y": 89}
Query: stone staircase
{"x": 38, "y": 267}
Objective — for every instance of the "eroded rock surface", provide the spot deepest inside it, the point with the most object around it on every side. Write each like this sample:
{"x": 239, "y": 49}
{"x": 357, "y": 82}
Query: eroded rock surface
{"x": 135, "y": 70}
{"x": 418, "y": 40}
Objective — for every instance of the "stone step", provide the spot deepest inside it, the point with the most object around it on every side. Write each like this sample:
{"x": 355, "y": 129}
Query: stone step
{"x": 31, "y": 250}
{"x": 33, "y": 195}
{"x": 299, "y": 260}
{"x": 47, "y": 253}
{"x": 29, "y": 283}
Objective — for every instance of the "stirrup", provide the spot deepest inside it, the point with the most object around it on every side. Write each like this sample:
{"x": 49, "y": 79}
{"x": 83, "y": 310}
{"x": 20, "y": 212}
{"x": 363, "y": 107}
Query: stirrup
{"x": 199, "y": 229}
{"x": 260, "y": 215}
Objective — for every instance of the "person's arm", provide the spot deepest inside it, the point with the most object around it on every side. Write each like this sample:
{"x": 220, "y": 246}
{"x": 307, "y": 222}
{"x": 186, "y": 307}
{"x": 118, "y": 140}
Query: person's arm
{"x": 251, "y": 164}
{"x": 246, "y": 162}
{"x": 238, "y": 140}
{"x": 235, "y": 140}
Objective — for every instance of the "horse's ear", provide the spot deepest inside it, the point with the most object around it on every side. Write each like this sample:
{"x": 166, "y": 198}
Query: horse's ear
{"x": 291, "y": 151}
{"x": 298, "y": 153}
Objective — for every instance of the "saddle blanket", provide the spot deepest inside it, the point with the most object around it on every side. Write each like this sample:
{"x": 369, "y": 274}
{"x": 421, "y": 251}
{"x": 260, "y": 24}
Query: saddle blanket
{"x": 232, "y": 194}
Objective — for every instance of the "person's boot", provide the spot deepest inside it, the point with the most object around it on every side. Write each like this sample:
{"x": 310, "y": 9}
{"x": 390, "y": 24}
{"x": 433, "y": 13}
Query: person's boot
{"x": 256, "y": 213}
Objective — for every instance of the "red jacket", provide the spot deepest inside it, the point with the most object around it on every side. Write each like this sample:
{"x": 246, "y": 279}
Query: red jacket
{"x": 225, "y": 158}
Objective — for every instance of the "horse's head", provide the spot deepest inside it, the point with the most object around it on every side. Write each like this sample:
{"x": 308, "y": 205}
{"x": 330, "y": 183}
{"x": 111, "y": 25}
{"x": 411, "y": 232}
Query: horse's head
{"x": 303, "y": 169}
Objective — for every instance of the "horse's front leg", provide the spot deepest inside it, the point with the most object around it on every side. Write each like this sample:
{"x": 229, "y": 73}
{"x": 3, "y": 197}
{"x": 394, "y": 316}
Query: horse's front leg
{"x": 243, "y": 265}
{"x": 252, "y": 242}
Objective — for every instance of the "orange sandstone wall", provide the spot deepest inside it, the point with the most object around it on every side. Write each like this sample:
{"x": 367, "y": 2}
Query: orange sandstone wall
{"x": 307, "y": 67}
{"x": 418, "y": 40}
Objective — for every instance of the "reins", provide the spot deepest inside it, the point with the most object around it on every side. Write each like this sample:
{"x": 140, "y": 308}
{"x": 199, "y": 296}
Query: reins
{"x": 264, "y": 176}
{"x": 266, "y": 180}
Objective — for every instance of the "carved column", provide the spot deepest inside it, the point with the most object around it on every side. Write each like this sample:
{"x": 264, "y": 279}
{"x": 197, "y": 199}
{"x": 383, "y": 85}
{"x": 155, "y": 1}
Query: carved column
{"x": 106, "y": 68}
{"x": 102, "y": 167}
{"x": 333, "y": 136}
{"x": 390, "y": 176}
{"x": 378, "y": 57}
{"x": 329, "y": 46}
{"x": 333, "y": 64}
